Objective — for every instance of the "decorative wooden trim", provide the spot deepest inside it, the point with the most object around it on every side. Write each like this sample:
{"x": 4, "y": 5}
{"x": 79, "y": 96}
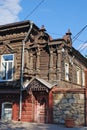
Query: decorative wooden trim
{"x": 26, "y": 61}
{"x": 31, "y": 61}
{"x": 13, "y": 36}
{"x": 38, "y": 61}
{"x": 64, "y": 90}
{"x": 51, "y": 64}
{"x": 59, "y": 64}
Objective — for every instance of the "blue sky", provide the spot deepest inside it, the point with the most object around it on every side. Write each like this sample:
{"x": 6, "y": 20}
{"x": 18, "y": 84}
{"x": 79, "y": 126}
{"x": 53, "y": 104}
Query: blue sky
{"x": 56, "y": 15}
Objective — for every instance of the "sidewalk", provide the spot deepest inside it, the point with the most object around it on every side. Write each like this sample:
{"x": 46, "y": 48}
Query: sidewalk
{"x": 34, "y": 126}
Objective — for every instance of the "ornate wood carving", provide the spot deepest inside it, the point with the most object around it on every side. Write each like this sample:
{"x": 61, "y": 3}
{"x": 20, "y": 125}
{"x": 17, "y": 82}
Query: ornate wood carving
{"x": 12, "y": 36}
{"x": 26, "y": 61}
{"x": 37, "y": 86}
{"x": 7, "y": 43}
{"x": 7, "y": 48}
{"x": 51, "y": 64}
{"x": 38, "y": 61}
{"x": 51, "y": 60}
{"x": 59, "y": 64}
{"x": 39, "y": 38}
{"x": 31, "y": 62}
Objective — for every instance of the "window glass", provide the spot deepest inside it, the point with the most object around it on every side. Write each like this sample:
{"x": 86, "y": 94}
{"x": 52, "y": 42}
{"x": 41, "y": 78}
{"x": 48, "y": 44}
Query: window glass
{"x": 10, "y": 70}
{"x": 7, "y": 105}
{"x": 6, "y": 111}
{"x": 6, "y": 67}
{"x": 7, "y": 57}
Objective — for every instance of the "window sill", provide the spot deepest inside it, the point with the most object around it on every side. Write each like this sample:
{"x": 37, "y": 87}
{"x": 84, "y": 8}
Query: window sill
{"x": 6, "y": 80}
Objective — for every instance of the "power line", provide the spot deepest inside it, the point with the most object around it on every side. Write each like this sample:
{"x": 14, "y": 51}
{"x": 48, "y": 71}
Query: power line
{"x": 83, "y": 46}
{"x": 73, "y": 39}
{"x": 56, "y": 34}
{"x": 80, "y": 40}
{"x": 37, "y": 6}
{"x": 78, "y": 34}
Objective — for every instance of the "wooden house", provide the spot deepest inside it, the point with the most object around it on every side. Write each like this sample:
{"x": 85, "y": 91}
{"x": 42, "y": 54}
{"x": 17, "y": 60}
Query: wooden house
{"x": 41, "y": 79}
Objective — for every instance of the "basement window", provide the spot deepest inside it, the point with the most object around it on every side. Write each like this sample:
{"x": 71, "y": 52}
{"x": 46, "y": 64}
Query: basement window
{"x": 7, "y": 61}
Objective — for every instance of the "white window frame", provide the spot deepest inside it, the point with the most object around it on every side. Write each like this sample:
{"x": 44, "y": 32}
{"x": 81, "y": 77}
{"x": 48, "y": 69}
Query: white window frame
{"x": 78, "y": 75}
{"x": 83, "y": 78}
{"x": 7, "y": 62}
{"x": 3, "y": 109}
{"x": 67, "y": 71}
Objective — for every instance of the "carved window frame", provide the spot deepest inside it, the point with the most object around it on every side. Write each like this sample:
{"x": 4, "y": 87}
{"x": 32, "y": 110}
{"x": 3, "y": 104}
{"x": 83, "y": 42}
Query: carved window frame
{"x": 78, "y": 71}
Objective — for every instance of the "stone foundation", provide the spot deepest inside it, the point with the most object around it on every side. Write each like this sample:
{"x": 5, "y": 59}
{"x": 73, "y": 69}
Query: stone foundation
{"x": 69, "y": 105}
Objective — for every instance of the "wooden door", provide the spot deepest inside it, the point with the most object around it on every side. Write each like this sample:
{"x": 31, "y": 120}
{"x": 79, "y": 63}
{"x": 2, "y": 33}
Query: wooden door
{"x": 41, "y": 110}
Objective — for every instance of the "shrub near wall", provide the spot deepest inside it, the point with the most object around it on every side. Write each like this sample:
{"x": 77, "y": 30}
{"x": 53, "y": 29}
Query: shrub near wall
{"x": 68, "y": 105}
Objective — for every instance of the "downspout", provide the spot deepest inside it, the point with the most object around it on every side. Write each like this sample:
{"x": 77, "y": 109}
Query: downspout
{"x": 22, "y": 68}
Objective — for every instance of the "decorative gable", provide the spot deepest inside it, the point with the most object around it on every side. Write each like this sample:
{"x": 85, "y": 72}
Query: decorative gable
{"x": 38, "y": 37}
{"x": 37, "y": 84}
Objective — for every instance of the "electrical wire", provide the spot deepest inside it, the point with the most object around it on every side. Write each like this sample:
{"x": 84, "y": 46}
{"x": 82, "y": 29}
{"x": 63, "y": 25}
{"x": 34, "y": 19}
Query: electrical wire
{"x": 78, "y": 34}
{"x": 73, "y": 39}
{"x": 82, "y": 46}
{"x": 37, "y": 6}
{"x": 56, "y": 34}
{"x": 85, "y": 46}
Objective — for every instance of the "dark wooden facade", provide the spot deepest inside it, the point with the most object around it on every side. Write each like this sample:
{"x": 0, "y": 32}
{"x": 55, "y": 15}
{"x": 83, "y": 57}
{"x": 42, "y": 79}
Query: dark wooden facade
{"x": 44, "y": 73}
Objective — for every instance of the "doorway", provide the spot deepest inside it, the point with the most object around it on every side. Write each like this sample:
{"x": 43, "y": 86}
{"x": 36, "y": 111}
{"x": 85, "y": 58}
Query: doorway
{"x": 41, "y": 109}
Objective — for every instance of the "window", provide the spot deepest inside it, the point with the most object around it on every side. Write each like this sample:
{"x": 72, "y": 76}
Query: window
{"x": 6, "y": 111}
{"x": 78, "y": 75}
{"x": 7, "y": 67}
{"x": 83, "y": 78}
{"x": 66, "y": 71}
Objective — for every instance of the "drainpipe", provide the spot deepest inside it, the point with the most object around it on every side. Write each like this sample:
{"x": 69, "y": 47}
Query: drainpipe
{"x": 22, "y": 68}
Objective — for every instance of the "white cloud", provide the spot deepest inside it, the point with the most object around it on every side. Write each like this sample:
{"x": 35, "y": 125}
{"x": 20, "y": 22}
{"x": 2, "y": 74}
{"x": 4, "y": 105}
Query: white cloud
{"x": 9, "y": 10}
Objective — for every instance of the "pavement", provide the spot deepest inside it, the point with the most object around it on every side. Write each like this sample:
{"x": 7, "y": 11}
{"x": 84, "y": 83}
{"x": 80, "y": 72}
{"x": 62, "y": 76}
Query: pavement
{"x": 13, "y": 125}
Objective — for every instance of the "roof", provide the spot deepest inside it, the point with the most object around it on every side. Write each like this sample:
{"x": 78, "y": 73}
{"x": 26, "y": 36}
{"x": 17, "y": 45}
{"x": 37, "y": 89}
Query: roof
{"x": 79, "y": 56}
{"x": 42, "y": 81}
{"x": 16, "y": 25}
